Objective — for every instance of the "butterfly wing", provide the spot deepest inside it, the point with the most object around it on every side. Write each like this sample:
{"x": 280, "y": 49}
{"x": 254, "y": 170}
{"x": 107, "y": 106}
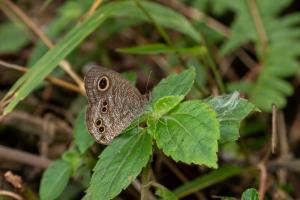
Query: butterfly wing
{"x": 112, "y": 103}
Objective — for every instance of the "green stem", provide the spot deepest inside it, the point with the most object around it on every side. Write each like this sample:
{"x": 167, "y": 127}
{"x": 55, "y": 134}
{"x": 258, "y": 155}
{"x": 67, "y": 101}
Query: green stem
{"x": 212, "y": 65}
{"x": 216, "y": 73}
{"x": 145, "y": 181}
{"x": 161, "y": 31}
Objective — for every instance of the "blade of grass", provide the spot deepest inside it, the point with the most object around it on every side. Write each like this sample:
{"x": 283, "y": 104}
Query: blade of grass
{"x": 162, "y": 48}
{"x": 209, "y": 179}
{"x": 46, "y": 64}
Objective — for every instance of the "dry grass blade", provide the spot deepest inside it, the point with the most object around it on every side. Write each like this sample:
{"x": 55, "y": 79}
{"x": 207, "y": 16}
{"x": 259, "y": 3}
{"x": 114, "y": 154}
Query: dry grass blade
{"x": 35, "y": 29}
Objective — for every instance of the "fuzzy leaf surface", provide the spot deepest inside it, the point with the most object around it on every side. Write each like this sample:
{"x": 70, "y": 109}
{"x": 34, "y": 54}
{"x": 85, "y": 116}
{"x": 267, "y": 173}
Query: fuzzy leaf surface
{"x": 119, "y": 164}
{"x": 231, "y": 110}
{"x": 189, "y": 133}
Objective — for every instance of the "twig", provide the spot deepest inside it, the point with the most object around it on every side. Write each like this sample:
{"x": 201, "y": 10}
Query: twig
{"x": 64, "y": 64}
{"x": 261, "y": 32}
{"x": 195, "y": 14}
{"x": 92, "y": 9}
{"x": 181, "y": 176}
{"x": 50, "y": 79}
{"x": 284, "y": 147}
{"x": 23, "y": 157}
{"x": 274, "y": 128}
{"x": 10, "y": 194}
{"x": 145, "y": 180}
{"x": 262, "y": 180}
{"x": 138, "y": 186}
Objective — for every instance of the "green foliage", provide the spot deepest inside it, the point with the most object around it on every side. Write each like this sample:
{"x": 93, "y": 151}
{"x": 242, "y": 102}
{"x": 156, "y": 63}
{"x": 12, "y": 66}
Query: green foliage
{"x": 12, "y": 38}
{"x": 208, "y": 179}
{"x": 189, "y": 133}
{"x": 68, "y": 13}
{"x": 46, "y": 64}
{"x": 175, "y": 84}
{"x": 165, "y": 194}
{"x": 165, "y": 104}
{"x": 55, "y": 179}
{"x": 278, "y": 60}
{"x": 250, "y": 194}
{"x": 162, "y": 48}
{"x": 119, "y": 164}
{"x": 231, "y": 110}
{"x": 82, "y": 138}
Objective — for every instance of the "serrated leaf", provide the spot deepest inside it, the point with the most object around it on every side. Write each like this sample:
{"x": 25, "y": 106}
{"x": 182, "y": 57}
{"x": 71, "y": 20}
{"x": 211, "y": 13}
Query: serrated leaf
{"x": 82, "y": 136}
{"x": 162, "y": 48}
{"x": 231, "y": 110}
{"x": 174, "y": 84}
{"x": 119, "y": 164}
{"x": 250, "y": 194}
{"x": 55, "y": 179}
{"x": 189, "y": 133}
{"x": 12, "y": 38}
{"x": 165, "y": 104}
{"x": 165, "y": 194}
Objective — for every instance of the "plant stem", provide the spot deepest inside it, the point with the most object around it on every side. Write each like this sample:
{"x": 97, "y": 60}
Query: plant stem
{"x": 261, "y": 32}
{"x": 216, "y": 73}
{"x": 145, "y": 180}
{"x": 160, "y": 29}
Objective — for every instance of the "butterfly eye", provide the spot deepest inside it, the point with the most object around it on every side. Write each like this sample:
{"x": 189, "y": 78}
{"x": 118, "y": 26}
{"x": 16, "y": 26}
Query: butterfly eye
{"x": 104, "y": 103}
{"x": 104, "y": 109}
{"x": 103, "y": 83}
{"x": 98, "y": 122}
{"x": 101, "y": 129}
{"x": 103, "y": 138}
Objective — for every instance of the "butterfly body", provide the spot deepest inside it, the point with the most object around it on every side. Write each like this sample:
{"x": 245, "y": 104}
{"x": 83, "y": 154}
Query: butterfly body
{"x": 112, "y": 103}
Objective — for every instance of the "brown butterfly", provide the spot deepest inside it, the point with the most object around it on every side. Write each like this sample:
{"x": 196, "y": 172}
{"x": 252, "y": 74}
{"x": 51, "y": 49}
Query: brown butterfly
{"x": 112, "y": 103}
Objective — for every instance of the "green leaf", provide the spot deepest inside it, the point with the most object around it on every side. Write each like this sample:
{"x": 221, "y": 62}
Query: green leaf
{"x": 209, "y": 179}
{"x": 119, "y": 164}
{"x": 165, "y": 194}
{"x": 68, "y": 13}
{"x": 175, "y": 84}
{"x": 278, "y": 60}
{"x": 163, "y": 48}
{"x": 250, "y": 194}
{"x": 54, "y": 180}
{"x": 165, "y": 104}
{"x": 73, "y": 158}
{"x": 12, "y": 38}
{"x": 231, "y": 110}
{"x": 82, "y": 136}
{"x": 189, "y": 133}
{"x": 47, "y": 63}
{"x": 162, "y": 15}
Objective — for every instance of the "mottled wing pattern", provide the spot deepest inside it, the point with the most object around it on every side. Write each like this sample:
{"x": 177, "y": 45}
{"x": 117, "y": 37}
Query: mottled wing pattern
{"x": 123, "y": 102}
